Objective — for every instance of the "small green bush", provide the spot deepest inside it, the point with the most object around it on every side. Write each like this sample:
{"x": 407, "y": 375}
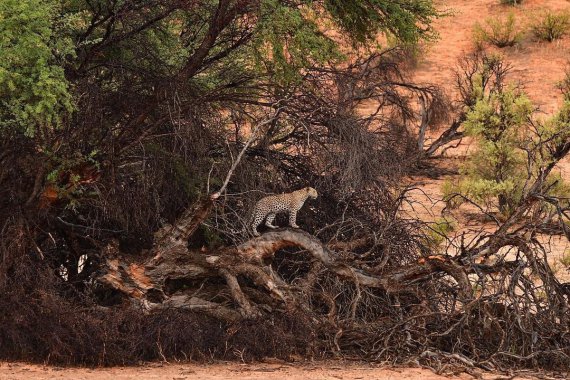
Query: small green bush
{"x": 511, "y": 2}
{"x": 439, "y": 230}
{"x": 495, "y": 173}
{"x": 565, "y": 259}
{"x": 501, "y": 32}
{"x": 564, "y": 84}
{"x": 551, "y": 26}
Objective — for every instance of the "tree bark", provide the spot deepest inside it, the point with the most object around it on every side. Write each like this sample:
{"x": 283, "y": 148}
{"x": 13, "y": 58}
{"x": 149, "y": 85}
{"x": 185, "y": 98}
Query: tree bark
{"x": 243, "y": 270}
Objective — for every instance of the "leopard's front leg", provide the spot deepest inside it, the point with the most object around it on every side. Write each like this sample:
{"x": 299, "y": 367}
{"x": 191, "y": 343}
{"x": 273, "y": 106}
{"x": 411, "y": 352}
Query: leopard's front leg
{"x": 293, "y": 219}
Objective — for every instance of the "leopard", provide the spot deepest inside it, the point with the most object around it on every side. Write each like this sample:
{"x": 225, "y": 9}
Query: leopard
{"x": 271, "y": 205}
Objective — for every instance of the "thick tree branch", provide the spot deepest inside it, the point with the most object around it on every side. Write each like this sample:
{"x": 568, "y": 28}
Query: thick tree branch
{"x": 148, "y": 281}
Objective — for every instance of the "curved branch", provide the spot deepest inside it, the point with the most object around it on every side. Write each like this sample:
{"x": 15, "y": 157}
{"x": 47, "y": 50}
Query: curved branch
{"x": 264, "y": 247}
{"x": 149, "y": 283}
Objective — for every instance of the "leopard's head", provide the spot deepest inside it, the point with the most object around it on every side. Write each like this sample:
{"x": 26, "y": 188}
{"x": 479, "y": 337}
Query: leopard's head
{"x": 312, "y": 193}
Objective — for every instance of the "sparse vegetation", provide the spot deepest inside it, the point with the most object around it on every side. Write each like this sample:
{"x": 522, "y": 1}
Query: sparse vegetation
{"x": 565, "y": 259}
{"x": 511, "y": 2}
{"x": 551, "y": 26}
{"x": 500, "y": 119}
{"x": 564, "y": 84}
{"x": 439, "y": 230}
{"x": 496, "y": 170}
{"x": 499, "y": 31}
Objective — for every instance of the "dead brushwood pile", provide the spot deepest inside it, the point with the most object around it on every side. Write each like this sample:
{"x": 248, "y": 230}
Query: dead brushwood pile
{"x": 367, "y": 291}
{"x": 361, "y": 304}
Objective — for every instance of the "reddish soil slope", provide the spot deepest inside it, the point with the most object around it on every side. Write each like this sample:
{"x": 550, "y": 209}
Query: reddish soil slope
{"x": 537, "y": 66}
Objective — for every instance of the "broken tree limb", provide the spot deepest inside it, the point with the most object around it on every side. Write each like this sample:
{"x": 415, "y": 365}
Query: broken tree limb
{"x": 449, "y": 135}
{"x": 187, "y": 302}
{"x": 242, "y": 270}
{"x": 252, "y": 137}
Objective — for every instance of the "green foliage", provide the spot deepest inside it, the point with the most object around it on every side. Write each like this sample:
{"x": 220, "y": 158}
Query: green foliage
{"x": 167, "y": 51}
{"x": 495, "y": 171}
{"x": 511, "y": 2}
{"x": 551, "y": 26}
{"x": 557, "y": 129}
{"x": 557, "y": 187}
{"x": 509, "y": 154}
{"x": 409, "y": 21}
{"x": 565, "y": 259}
{"x": 438, "y": 231}
{"x": 498, "y": 31}
{"x": 212, "y": 237}
{"x": 34, "y": 93}
{"x": 564, "y": 85}
{"x": 497, "y": 116}
{"x": 288, "y": 40}
{"x": 39, "y": 37}
{"x": 291, "y": 38}
{"x": 451, "y": 191}
{"x": 65, "y": 176}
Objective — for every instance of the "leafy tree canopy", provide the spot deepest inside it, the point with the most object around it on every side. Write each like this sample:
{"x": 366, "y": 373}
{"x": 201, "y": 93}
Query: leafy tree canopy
{"x": 48, "y": 45}
{"x": 33, "y": 90}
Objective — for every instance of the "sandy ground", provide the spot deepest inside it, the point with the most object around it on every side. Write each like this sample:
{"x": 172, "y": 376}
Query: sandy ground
{"x": 321, "y": 371}
{"x": 536, "y": 65}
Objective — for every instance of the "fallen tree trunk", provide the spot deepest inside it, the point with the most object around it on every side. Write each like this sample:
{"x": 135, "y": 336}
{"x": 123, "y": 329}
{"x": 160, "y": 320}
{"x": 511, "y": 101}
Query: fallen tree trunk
{"x": 237, "y": 272}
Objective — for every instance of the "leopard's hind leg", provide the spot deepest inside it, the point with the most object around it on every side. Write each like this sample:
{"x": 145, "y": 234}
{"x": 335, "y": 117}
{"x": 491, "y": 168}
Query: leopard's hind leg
{"x": 257, "y": 219}
{"x": 269, "y": 221}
